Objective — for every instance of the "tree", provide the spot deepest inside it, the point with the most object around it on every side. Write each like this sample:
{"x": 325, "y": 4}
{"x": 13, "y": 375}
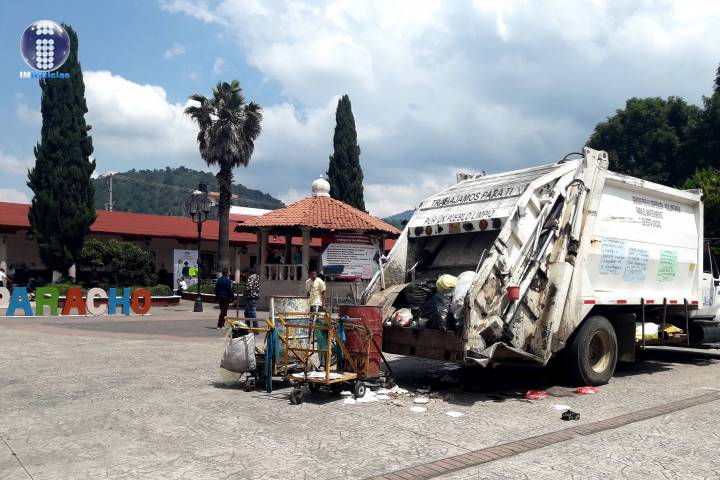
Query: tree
{"x": 646, "y": 139}
{"x": 63, "y": 207}
{"x": 705, "y": 144}
{"x": 344, "y": 173}
{"x": 709, "y": 180}
{"x": 228, "y": 129}
{"x": 119, "y": 264}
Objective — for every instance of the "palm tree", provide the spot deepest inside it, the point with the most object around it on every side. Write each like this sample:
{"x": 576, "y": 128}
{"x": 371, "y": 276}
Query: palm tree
{"x": 228, "y": 129}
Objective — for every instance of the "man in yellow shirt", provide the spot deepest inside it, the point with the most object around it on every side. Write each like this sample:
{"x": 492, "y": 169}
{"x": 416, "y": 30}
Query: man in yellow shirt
{"x": 315, "y": 290}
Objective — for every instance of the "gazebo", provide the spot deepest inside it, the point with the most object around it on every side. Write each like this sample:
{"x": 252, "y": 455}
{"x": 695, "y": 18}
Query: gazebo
{"x": 316, "y": 216}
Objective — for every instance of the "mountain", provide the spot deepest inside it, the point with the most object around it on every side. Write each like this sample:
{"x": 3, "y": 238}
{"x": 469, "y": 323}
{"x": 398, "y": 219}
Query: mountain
{"x": 397, "y": 219}
{"x": 163, "y": 191}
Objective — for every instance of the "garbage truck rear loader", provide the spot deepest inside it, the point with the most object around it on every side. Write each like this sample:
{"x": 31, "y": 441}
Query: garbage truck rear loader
{"x": 567, "y": 260}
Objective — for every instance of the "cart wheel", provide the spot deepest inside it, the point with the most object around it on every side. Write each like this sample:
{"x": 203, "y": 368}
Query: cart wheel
{"x": 359, "y": 389}
{"x": 297, "y": 396}
{"x": 250, "y": 384}
{"x": 314, "y": 387}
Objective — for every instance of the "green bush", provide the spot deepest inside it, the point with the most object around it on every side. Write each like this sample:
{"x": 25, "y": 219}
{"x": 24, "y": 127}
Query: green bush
{"x": 159, "y": 290}
{"x": 63, "y": 288}
{"x": 210, "y": 288}
{"x": 119, "y": 263}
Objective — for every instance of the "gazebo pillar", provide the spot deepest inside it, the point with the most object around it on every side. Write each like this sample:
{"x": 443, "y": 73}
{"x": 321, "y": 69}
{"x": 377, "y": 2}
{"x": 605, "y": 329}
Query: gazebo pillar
{"x": 305, "y": 253}
{"x": 262, "y": 252}
{"x": 287, "y": 260}
{"x": 238, "y": 270}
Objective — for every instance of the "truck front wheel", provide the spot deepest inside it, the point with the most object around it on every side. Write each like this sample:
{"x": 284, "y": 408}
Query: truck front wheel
{"x": 593, "y": 352}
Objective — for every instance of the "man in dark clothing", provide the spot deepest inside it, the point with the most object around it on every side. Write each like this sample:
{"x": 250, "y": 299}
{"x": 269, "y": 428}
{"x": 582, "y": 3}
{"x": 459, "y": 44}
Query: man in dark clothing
{"x": 225, "y": 294}
{"x": 252, "y": 294}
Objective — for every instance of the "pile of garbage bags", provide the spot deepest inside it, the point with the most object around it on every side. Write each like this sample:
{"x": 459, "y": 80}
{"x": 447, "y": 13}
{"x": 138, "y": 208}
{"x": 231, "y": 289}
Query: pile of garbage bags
{"x": 434, "y": 303}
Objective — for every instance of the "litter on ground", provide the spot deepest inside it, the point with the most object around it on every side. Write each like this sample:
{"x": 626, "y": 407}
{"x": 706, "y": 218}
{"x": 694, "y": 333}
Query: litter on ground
{"x": 536, "y": 395}
{"x": 369, "y": 397}
{"x": 561, "y": 408}
{"x": 570, "y": 415}
{"x": 454, "y": 414}
{"x": 418, "y": 409}
{"x": 586, "y": 390}
{"x": 421, "y": 400}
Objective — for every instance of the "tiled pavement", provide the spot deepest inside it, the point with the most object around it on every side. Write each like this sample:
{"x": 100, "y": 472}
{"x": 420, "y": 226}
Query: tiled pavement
{"x": 77, "y": 401}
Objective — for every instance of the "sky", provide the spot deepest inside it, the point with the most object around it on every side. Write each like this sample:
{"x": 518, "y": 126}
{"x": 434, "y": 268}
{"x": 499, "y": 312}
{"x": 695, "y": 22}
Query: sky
{"x": 436, "y": 87}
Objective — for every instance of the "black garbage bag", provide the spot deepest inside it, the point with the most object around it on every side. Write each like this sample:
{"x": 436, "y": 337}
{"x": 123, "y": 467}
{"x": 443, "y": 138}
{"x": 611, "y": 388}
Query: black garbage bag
{"x": 418, "y": 293}
{"x": 436, "y": 310}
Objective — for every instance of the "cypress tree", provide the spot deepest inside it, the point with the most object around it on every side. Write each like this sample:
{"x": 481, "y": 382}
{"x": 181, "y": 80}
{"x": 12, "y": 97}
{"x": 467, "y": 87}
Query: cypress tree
{"x": 344, "y": 173}
{"x": 63, "y": 207}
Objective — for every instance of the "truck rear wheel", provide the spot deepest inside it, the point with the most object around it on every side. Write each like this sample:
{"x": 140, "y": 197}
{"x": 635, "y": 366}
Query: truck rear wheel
{"x": 593, "y": 352}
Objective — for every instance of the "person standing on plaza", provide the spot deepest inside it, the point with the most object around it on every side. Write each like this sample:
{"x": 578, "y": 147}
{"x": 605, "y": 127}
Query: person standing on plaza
{"x": 224, "y": 294}
{"x": 252, "y": 295}
{"x": 315, "y": 290}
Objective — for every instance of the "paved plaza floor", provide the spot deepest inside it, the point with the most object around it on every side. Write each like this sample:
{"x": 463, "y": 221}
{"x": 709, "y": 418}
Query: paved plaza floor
{"x": 141, "y": 397}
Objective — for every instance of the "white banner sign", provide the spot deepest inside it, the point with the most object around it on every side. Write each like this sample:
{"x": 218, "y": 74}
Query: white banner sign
{"x": 359, "y": 261}
{"x": 185, "y": 266}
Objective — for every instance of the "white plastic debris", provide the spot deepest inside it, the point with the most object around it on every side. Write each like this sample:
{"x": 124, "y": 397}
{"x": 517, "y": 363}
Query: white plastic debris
{"x": 418, "y": 409}
{"x": 397, "y": 390}
{"x": 346, "y": 393}
{"x": 369, "y": 397}
{"x": 561, "y": 408}
{"x": 421, "y": 400}
{"x": 383, "y": 391}
{"x": 383, "y": 397}
{"x": 454, "y": 414}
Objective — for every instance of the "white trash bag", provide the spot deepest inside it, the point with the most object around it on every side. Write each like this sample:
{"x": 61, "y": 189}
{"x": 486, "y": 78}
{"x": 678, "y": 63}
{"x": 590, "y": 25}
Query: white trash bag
{"x": 239, "y": 354}
{"x": 464, "y": 282}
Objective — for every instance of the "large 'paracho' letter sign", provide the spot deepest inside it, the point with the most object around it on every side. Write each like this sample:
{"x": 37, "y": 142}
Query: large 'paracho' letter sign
{"x": 46, "y": 298}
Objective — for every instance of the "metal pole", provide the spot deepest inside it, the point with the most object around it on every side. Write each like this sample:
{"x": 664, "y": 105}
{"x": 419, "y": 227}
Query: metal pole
{"x": 663, "y": 320}
{"x": 110, "y": 200}
{"x": 198, "y": 307}
{"x": 642, "y": 329}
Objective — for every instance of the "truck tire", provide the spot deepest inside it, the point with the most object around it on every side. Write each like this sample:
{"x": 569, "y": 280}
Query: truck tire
{"x": 593, "y": 351}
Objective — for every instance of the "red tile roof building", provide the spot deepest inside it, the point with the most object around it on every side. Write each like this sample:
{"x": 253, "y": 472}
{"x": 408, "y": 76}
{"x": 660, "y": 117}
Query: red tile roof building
{"x": 318, "y": 213}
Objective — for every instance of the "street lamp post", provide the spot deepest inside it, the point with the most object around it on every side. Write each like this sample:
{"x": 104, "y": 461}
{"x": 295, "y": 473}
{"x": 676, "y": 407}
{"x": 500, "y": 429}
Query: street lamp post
{"x": 198, "y": 206}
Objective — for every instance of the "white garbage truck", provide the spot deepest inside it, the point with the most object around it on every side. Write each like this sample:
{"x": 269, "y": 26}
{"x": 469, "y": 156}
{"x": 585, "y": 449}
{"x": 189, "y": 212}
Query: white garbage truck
{"x": 567, "y": 260}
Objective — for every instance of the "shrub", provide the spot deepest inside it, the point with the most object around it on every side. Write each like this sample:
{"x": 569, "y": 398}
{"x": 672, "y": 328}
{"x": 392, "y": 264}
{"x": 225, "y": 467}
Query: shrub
{"x": 160, "y": 291}
{"x": 119, "y": 263}
{"x": 63, "y": 288}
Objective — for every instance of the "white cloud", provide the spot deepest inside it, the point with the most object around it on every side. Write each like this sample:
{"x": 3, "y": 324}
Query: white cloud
{"x": 218, "y": 66}
{"x": 13, "y": 195}
{"x": 175, "y": 51}
{"x": 478, "y": 85}
{"x": 136, "y": 122}
{"x": 27, "y": 114}
{"x": 12, "y": 164}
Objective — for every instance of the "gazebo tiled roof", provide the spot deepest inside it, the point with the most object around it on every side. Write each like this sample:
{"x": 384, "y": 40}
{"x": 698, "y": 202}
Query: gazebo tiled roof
{"x": 319, "y": 213}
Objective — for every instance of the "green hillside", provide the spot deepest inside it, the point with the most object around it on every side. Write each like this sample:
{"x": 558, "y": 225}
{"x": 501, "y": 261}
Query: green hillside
{"x": 163, "y": 192}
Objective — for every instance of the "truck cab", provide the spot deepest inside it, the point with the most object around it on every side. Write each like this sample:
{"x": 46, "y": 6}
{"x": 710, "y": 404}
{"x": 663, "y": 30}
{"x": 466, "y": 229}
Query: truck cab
{"x": 710, "y": 284}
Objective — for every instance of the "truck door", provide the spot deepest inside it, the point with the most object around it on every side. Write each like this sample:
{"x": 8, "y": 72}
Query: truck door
{"x": 710, "y": 286}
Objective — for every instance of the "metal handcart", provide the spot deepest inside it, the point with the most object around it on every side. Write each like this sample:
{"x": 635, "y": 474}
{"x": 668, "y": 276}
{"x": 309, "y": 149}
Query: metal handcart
{"x": 347, "y": 370}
